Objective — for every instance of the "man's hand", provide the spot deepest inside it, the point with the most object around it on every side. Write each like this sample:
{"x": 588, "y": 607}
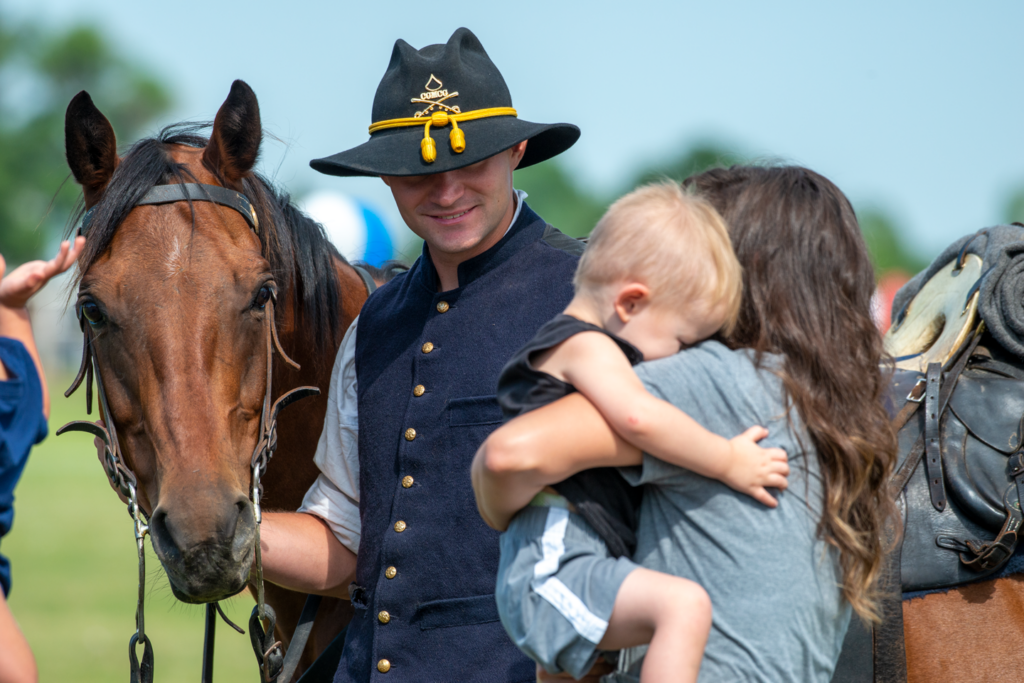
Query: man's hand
{"x": 27, "y": 279}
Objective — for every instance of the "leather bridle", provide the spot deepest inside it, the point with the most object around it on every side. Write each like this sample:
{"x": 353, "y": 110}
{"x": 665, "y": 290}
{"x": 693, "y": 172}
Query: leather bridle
{"x": 269, "y": 653}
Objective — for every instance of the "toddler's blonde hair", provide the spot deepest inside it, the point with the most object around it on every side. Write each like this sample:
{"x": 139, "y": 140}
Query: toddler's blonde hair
{"x": 674, "y": 242}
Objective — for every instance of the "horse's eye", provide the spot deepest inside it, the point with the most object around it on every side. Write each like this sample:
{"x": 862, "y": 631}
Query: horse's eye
{"x": 262, "y": 297}
{"x": 92, "y": 312}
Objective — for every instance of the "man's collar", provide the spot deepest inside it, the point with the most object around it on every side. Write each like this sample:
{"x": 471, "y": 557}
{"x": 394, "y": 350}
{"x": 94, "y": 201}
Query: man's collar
{"x": 520, "y": 199}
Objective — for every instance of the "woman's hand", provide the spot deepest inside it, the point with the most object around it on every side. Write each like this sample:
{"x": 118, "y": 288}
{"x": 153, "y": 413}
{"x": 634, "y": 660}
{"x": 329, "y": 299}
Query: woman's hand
{"x": 27, "y": 279}
{"x": 751, "y": 468}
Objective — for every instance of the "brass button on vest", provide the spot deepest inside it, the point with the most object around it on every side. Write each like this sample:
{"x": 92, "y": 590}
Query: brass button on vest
{"x": 391, "y": 572}
{"x": 399, "y": 526}
{"x": 410, "y": 434}
{"x": 407, "y": 482}
{"x": 442, "y": 306}
{"x": 418, "y": 390}
{"x": 383, "y": 616}
{"x": 427, "y": 348}
{"x": 383, "y": 666}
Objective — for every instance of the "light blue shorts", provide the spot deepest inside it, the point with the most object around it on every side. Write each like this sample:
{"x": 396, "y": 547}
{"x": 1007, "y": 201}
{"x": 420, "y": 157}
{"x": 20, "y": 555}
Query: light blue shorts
{"x": 556, "y": 587}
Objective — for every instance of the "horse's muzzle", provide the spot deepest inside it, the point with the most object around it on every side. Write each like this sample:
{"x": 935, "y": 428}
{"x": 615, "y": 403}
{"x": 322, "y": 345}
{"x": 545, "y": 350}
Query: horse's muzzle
{"x": 206, "y": 562}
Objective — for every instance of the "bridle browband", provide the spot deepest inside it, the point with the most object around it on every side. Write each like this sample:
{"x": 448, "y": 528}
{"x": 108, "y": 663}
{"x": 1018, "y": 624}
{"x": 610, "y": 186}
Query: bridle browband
{"x": 272, "y": 660}
{"x": 195, "y": 192}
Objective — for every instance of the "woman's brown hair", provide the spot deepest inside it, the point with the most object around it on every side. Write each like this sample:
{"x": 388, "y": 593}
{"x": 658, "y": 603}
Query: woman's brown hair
{"x": 807, "y": 286}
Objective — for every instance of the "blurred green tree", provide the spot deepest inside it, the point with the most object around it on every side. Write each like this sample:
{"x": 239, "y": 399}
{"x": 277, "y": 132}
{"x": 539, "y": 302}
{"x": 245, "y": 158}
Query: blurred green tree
{"x": 41, "y": 69}
{"x": 696, "y": 159}
{"x": 565, "y": 203}
{"x": 887, "y": 250}
{"x": 555, "y": 195}
{"x": 1015, "y": 207}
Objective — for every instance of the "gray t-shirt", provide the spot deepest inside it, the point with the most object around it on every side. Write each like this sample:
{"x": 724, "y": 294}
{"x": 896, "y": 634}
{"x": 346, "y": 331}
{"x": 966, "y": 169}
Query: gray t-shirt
{"x": 778, "y": 610}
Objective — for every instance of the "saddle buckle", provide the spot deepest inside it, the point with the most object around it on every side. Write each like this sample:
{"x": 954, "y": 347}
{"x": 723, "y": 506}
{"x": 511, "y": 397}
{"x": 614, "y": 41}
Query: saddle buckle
{"x": 917, "y": 392}
{"x": 1015, "y": 464}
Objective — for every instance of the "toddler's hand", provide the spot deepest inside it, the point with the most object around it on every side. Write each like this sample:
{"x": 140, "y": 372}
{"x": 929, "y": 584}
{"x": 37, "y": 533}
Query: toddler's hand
{"x": 752, "y": 468}
{"x": 27, "y": 279}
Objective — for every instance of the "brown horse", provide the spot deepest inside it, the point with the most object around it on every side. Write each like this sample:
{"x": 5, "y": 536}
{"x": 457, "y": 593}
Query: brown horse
{"x": 175, "y": 297}
{"x": 967, "y": 635}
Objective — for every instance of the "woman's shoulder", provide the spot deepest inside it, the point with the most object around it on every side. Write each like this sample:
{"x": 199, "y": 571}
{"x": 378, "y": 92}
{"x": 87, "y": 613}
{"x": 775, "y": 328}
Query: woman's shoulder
{"x": 725, "y": 390}
{"x": 710, "y": 362}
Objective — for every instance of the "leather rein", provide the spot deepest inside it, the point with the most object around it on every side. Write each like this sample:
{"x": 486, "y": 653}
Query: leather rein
{"x": 274, "y": 664}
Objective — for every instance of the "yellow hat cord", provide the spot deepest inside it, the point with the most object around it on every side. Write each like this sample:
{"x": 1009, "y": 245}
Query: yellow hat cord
{"x": 441, "y": 119}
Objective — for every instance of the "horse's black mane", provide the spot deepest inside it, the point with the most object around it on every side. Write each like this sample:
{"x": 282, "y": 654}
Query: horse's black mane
{"x": 299, "y": 252}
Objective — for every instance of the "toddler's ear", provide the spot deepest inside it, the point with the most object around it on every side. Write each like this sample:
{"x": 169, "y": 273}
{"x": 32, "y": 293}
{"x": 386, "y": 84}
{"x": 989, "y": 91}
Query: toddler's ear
{"x": 631, "y": 299}
{"x": 3, "y": 266}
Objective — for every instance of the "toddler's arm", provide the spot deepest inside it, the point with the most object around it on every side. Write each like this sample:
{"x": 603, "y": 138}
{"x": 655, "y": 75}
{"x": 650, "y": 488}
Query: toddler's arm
{"x": 595, "y": 365}
{"x": 18, "y": 287}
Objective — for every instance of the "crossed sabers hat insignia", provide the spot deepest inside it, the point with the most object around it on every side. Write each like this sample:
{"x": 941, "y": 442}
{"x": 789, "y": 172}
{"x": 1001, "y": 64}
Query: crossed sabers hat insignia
{"x": 435, "y": 103}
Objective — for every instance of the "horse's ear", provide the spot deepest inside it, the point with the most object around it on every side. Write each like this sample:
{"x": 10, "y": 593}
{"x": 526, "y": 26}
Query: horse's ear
{"x": 235, "y": 142}
{"x": 90, "y": 146}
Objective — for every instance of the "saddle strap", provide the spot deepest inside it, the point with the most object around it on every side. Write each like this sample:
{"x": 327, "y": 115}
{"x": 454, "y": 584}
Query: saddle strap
{"x": 887, "y": 642}
{"x": 902, "y": 475}
{"x": 986, "y": 557}
{"x": 932, "y": 446}
{"x": 914, "y": 401}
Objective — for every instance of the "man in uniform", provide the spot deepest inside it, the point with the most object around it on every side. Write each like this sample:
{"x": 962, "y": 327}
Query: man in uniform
{"x": 412, "y": 396}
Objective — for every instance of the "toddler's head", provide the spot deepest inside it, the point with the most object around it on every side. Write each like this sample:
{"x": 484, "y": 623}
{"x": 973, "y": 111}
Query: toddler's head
{"x": 661, "y": 267}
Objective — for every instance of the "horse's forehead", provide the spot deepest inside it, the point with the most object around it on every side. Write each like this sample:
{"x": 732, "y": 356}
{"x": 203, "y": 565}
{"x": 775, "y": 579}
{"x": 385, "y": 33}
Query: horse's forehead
{"x": 157, "y": 243}
{"x": 193, "y": 159}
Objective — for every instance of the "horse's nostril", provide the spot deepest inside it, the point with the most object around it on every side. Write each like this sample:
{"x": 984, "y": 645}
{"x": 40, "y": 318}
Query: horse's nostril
{"x": 243, "y": 514}
{"x": 161, "y": 532}
{"x": 158, "y": 522}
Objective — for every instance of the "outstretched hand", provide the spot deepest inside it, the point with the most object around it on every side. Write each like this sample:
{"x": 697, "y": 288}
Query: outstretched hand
{"x": 27, "y": 279}
{"x": 752, "y": 469}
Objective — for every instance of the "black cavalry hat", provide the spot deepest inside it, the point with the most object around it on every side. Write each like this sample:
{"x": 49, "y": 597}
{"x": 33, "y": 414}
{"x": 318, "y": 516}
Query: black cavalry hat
{"x": 442, "y": 108}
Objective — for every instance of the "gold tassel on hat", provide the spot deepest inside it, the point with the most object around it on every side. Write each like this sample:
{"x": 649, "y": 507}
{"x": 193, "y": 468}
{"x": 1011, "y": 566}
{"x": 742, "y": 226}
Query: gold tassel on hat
{"x": 457, "y": 138}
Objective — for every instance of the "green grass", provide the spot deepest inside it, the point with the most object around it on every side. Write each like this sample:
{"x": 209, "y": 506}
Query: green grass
{"x": 75, "y": 573}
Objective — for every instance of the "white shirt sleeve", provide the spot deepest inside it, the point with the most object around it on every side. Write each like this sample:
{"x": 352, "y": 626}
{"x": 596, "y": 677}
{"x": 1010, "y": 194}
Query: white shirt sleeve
{"x": 334, "y": 496}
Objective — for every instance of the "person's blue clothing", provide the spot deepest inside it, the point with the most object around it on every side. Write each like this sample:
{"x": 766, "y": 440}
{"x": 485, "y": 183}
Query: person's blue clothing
{"x": 22, "y": 425}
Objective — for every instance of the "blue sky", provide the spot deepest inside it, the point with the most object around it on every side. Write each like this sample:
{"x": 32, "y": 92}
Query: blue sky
{"x": 913, "y": 107}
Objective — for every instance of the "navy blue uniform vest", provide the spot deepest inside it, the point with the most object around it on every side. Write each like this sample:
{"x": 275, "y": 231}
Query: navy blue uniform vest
{"x": 427, "y": 364}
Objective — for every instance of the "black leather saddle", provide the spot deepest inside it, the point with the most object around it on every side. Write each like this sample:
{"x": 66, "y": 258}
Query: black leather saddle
{"x": 959, "y": 484}
{"x": 960, "y": 478}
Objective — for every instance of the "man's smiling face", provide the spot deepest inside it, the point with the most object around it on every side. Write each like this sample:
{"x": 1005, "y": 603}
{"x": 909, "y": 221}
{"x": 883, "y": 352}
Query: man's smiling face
{"x": 460, "y": 213}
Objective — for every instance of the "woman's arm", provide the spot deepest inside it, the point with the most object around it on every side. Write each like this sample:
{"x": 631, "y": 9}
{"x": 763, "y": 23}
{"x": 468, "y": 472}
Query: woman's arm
{"x": 540, "y": 448}
{"x": 18, "y": 287}
{"x": 17, "y": 665}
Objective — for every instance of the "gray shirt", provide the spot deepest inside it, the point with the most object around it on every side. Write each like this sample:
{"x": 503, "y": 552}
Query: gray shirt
{"x": 778, "y": 612}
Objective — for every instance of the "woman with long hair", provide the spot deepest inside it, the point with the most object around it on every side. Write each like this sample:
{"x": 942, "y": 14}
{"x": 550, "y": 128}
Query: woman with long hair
{"x": 803, "y": 360}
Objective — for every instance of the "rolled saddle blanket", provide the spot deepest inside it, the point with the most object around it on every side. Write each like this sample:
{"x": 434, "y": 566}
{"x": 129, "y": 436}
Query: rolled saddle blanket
{"x": 1001, "y": 300}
